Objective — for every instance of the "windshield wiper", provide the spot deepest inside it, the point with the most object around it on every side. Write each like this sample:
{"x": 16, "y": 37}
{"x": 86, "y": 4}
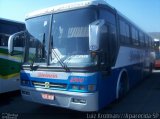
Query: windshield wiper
{"x": 58, "y": 57}
{"x": 60, "y": 61}
{"x": 32, "y": 64}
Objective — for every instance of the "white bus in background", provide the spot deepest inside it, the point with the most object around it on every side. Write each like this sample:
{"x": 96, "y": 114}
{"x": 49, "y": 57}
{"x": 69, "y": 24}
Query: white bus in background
{"x": 9, "y": 65}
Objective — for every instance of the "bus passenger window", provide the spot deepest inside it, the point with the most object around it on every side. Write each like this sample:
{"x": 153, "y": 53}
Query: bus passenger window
{"x": 141, "y": 38}
{"x": 135, "y": 39}
{"x": 4, "y": 39}
{"x": 124, "y": 32}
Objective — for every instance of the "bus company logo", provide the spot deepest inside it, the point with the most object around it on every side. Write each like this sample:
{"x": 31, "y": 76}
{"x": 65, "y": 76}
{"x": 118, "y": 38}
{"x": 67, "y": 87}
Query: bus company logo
{"x": 77, "y": 80}
{"x": 47, "y": 75}
{"x": 47, "y": 85}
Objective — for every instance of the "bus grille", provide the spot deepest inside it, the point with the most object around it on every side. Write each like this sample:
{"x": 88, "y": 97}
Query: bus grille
{"x": 50, "y": 85}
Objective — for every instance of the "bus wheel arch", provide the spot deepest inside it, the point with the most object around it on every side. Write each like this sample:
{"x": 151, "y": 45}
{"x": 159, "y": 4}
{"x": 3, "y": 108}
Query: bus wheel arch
{"x": 122, "y": 84}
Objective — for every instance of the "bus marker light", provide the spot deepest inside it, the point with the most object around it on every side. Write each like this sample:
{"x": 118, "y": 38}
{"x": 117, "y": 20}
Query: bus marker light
{"x": 91, "y": 87}
{"x": 25, "y": 82}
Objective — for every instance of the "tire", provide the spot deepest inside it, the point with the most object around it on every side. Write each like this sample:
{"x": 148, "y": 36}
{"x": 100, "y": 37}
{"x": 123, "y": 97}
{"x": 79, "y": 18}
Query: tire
{"x": 123, "y": 86}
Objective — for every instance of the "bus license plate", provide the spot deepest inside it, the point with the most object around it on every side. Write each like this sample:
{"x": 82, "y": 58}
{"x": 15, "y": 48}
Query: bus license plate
{"x": 47, "y": 96}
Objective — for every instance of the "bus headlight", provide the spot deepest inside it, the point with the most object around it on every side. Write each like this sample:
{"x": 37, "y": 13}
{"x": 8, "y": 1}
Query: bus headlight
{"x": 75, "y": 87}
{"x": 82, "y": 87}
{"x": 25, "y": 82}
{"x": 91, "y": 87}
{"x": 79, "y": 87}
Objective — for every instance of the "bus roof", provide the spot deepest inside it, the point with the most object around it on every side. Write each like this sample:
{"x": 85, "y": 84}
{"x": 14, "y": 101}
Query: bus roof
{"x": 76, "y": 5}
{"x": 65, "y": 7}
{"x": 8, "y": 20}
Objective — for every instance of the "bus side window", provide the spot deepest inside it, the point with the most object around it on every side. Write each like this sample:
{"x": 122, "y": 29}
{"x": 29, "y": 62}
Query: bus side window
{"x": 110, "y": 40}
{"x": 135, "y": 39}
{"x": 19, "y": 41}
{"x": 113, "y": 43}
{"x": 146, "y": 41}
{"x": 141, "y": 38}
{"x": 105, "y": 45}
{"x": 4, "y": 39}
{"x": 1, "y": 39}
{"x": 124, "y": 32}
{"x": 108, "y": 44}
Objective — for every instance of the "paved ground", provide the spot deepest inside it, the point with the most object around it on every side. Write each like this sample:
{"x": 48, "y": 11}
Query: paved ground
{"x": 143, "y": 99}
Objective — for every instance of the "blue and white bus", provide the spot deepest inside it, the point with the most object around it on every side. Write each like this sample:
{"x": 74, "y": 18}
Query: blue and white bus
{"x": 82, "y": 56}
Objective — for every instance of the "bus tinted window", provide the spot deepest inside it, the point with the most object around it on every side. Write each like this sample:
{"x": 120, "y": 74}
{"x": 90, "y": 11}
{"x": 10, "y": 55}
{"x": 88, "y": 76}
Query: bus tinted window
{"x": 141, "y": 38}
{"x": 9, "y": 29}
{"x": 146, "y": 41}
{"x": 110, "y": 38}
{"x": 107, "y": 16}
{"x": 124, "y": 32}
{"x": 135, "y": 36}
{"x": 19, "y": 41}
{"x": 4, "y": 39}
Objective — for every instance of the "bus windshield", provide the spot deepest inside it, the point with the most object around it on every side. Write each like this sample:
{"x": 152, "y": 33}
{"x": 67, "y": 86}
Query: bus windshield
{"x": 70, "y": 37}
{"x": 66, "y": 43}
{"x": 37, "y": 39}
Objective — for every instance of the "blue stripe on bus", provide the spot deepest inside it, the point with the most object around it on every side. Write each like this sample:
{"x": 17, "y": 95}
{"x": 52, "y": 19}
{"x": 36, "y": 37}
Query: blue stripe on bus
{"x": 87, "y": 80}
{"x": 106, "y": 85}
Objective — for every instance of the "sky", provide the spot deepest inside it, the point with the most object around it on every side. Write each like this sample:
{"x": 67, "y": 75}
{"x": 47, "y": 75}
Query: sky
{"x": 144, "y": 13}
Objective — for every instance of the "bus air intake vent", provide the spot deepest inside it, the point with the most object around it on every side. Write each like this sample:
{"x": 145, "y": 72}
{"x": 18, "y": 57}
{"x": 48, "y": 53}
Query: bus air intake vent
{"x": 49, "y": 85}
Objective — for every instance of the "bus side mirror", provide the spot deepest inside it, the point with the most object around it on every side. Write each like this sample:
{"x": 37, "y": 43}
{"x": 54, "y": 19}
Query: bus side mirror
{"x": 10, "y": 44}
{"x": 13, "y": 39}
{"x": 95, "y": 35}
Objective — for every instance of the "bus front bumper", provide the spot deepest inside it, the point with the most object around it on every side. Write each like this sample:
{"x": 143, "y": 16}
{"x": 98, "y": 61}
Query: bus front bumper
{"x": 71, "y": 100}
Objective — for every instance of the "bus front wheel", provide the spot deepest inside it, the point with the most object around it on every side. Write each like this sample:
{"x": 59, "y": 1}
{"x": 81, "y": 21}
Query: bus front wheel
{"x": 123, "y": 86}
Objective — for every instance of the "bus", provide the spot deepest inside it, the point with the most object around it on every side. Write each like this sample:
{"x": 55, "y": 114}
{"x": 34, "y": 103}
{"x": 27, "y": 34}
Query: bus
{"x": 157, "y": 53}
{"x": 82, "y": 56}
{"x": 9, "y": 66}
